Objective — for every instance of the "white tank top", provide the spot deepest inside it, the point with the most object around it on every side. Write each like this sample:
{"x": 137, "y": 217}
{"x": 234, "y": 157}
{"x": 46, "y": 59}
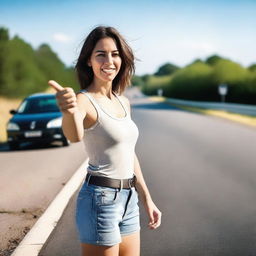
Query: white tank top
{"x": 110, "y": 143}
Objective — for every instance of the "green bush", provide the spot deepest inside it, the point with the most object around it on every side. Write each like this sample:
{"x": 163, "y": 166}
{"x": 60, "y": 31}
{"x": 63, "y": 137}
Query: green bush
{"x": 235, "y": 76}
{"x": 153, "y": 83}
{"x": 193, "y": 83}
{"x": 200, "y": 81}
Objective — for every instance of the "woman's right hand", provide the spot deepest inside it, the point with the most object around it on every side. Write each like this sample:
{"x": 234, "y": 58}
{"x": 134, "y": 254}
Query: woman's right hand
{"x": 66, "y": 98}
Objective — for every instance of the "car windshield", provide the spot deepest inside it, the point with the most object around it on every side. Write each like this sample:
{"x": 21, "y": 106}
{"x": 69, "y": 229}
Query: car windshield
{"x": 38, "y": 105}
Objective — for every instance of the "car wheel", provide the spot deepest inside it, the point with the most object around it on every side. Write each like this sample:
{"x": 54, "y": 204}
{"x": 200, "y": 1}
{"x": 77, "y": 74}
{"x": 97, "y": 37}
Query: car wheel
{"x": 14, "y": 145}
{"x": 65, "y": 142}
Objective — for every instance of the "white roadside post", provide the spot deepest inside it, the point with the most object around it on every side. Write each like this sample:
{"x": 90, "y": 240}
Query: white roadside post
{"x": 223, "y": 90}
{"x": 160, "y": 92}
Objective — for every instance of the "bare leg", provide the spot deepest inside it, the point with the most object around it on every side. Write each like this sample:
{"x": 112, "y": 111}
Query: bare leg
{"x": 99, "y": 250}
{"x": 130, "y": 245}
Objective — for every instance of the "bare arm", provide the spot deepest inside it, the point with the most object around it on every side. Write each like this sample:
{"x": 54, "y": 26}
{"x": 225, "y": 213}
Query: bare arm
{"x": 72, "y": 123}
{"x": 153, "y": 212}
{"x": 141, "y": 184}
{"x": 73, "y": 110}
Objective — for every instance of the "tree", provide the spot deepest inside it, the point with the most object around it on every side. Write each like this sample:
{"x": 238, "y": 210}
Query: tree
{"x": 252, "y": 67}
{"x": 197, "y": 61}
{"x": 4, "y": 38}
{"x": 212, "y": 60}
{"x": 4, "y": 34}
{"x": 166, "y": 69}
{"x": 24, "y": 71}
{"x": 137, "y": 81}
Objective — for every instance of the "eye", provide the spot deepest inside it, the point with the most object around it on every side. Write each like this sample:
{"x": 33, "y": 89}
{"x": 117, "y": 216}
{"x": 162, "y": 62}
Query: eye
{"x": 115, "y": 54}
{"x": 101, "y": 54}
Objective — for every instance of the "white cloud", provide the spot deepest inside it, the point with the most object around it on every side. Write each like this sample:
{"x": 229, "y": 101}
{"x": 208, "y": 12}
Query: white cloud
{"x": 203, "y": 47}
{"x": 60, "y": 37}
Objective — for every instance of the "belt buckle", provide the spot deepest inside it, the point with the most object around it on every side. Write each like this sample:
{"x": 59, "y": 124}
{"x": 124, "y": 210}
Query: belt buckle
{"x": 130, "y": 182}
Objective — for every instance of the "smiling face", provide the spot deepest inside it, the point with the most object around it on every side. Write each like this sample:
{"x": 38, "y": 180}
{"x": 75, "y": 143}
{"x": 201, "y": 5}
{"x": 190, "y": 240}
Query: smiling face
{"x": 105, "y": 60}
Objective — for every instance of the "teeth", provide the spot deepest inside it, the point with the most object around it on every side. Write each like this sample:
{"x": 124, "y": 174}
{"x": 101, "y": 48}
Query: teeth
{"x": 108, "y": 70}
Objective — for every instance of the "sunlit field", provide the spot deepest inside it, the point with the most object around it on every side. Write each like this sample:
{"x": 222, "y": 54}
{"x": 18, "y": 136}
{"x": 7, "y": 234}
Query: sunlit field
{"x": 5, "y": 106}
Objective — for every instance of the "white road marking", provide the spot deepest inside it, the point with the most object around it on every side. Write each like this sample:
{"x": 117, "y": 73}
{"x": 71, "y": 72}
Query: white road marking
{"x": 34, "y": 240}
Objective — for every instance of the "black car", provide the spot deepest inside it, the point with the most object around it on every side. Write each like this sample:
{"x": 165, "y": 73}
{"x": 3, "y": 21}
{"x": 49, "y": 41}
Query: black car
{"x": 38, "y": 119}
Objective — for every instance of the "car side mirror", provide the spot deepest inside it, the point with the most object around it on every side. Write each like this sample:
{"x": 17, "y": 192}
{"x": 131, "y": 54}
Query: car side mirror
{"x": 13, "y": 112}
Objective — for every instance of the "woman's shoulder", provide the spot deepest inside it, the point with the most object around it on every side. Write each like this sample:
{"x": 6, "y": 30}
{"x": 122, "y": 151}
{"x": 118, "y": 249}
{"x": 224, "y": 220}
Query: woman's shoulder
{"x": 82, "y": 98}
{"x": 126, "y": 101}
{"x": 124, "y": 98}
{"x": 84, "y": 102}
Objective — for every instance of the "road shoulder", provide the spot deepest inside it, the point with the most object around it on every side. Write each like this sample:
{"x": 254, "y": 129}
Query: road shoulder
{"x": 242, "y": 119}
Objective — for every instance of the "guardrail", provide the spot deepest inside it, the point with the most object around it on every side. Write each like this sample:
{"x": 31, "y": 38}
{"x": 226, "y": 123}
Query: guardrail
{"x": 243, "y": 109}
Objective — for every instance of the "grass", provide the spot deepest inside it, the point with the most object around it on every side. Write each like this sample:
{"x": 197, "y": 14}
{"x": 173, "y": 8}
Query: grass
{"x": 5, "y": 106}
{"x": 243, "y": 119}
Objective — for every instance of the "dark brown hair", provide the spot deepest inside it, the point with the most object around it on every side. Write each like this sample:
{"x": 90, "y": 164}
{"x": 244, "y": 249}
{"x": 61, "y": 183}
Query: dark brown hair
{"x": 85, "y": 73}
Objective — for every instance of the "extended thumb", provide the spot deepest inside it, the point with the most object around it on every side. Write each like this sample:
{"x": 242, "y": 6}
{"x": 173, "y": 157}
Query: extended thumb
{"x": 55, "y": 85}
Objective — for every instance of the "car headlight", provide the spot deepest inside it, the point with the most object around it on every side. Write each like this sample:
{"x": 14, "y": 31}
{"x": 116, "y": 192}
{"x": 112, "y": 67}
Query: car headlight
{"x": 55, "y": 123}
{"x": 12, "y": 127}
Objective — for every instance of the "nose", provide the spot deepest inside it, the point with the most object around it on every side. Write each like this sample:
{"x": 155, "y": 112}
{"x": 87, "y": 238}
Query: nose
{"x": 109, "y": 59}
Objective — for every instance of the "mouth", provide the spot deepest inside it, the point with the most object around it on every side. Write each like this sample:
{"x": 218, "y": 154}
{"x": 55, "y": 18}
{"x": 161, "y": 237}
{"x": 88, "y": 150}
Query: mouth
{"x": 108, "y": 70}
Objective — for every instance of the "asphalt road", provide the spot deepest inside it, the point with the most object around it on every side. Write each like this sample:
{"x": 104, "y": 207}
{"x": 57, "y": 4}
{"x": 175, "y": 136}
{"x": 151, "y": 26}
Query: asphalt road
{"x": 200, "y": 171}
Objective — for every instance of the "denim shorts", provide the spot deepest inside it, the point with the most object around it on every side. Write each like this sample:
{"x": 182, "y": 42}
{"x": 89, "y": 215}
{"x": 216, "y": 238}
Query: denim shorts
{"x": 104, "y": 214}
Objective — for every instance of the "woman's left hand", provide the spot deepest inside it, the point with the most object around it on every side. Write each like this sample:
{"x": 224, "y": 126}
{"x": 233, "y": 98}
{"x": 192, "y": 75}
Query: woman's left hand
{"x": 154, "y": 214}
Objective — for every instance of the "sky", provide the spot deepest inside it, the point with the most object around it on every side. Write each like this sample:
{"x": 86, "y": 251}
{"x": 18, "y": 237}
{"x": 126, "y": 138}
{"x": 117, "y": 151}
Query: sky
{"x": 159, "y": 31}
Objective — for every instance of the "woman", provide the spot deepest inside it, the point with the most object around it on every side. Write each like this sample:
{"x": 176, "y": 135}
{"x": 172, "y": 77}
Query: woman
{"x": 107, "y": 212}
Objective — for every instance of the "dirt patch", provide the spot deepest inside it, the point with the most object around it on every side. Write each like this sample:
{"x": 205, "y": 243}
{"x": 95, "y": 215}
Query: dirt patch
{"x": 14, "y": 226}
{"x": 13, "y": 243}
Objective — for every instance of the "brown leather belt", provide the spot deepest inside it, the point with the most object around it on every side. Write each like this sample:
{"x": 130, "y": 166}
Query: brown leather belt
{"x": 109, "y": 182}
